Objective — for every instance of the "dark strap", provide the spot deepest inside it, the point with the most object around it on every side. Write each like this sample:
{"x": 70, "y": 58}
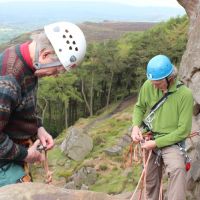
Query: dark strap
{"x": 158, "y": 105}
{"x": 163, "y": 99}
{"x": 160, "y": 102}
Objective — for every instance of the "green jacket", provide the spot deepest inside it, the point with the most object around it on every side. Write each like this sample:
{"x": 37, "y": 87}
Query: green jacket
{"x": 173, "y": 120}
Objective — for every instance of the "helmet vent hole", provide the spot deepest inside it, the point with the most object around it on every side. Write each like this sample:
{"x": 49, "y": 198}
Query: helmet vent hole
{"x": 76, "y": 49}
{"x": 67, "y": 42}
{"x": 70, "y": 36}
{"x": 60, "y": 50}
{"x": 74, "y": 42}
{"x": 66, "y": 31}
{"x": 64, "y": 36}
{"x": 70, "y": 48}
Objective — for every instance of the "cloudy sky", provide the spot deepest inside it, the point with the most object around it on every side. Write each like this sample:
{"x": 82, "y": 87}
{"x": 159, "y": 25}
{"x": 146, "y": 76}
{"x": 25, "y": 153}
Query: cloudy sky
{"x": 163, "y": 3}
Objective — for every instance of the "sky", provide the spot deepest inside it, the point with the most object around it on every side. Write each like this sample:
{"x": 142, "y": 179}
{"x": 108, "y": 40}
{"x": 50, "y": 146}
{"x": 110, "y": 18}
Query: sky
{"x": 160, "y": 3}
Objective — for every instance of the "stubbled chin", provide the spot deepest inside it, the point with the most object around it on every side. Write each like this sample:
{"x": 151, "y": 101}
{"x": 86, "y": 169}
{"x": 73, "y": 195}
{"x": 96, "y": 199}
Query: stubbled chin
{"x": 40, "y": 75}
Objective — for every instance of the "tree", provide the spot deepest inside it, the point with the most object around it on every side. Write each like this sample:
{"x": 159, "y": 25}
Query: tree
{"x": 55, "y": 93}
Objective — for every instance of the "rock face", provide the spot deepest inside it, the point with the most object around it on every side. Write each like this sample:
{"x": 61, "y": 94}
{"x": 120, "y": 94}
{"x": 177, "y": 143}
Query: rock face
{"x": 190, "y": 75}
{"x": 190, "y": 63}
{"x": 77, "y": 144}
{"x": 82, "y": 179}
{"x": 39, "y": 191}
{"x": 122, "y": 143}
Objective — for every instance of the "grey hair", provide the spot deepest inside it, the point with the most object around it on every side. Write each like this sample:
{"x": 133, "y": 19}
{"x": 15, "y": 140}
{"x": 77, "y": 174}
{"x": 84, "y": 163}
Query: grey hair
{"x": 174, "y": 74}
{"x": 43, "y": 43}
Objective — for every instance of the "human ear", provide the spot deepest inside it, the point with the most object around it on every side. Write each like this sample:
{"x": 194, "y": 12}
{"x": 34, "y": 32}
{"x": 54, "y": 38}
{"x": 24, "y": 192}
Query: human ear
{"x": 45, "y": 54}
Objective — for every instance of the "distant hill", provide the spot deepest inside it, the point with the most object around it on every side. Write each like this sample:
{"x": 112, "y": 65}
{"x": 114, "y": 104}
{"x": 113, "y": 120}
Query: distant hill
{"x": 95, "y": 32}
{"x": 111, "y": 30}
{"x": 19, "y": 17}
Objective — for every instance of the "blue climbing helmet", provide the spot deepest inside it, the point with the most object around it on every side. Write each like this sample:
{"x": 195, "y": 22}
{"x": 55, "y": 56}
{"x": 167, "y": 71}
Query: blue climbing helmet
{"x": 159, "y": 67}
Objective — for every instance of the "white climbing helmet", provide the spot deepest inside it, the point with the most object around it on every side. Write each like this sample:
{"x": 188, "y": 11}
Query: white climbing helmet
{"x": 68, "y": 42}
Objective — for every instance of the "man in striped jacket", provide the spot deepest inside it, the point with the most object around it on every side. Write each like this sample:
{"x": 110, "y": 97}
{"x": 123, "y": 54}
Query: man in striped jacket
{"x": 60, "y": 47}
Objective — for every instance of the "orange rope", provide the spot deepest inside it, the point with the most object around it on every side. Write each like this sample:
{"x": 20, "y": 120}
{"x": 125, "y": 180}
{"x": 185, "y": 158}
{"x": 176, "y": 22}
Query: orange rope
{"x": 47, "y": 171}
{"x": 126, "y": 162}
{"x": 142, "y": 176}
{"x": 194, "y": 134}
{"x": 161, "y": 189}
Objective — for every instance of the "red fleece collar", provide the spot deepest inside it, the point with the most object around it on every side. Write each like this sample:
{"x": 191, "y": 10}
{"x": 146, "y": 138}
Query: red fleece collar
{"x": 24, "y": 49}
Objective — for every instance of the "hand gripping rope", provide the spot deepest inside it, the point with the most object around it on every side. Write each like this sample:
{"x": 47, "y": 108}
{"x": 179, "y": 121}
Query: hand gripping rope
{"x": 138, "y": 155}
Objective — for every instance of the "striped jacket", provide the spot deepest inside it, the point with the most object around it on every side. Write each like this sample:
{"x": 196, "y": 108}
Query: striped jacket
{"x": 18, "y": 118}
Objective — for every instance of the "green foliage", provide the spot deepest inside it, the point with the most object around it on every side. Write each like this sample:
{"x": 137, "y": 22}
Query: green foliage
{"x": 112, "y": 178}
{"x": 166, "y": 38}
{"x": 53, "y": 97}
{"x": 114, "y": 182}
{"x": 117, "y": 67}
{"x": 103, "y": 167}
{"x": 64, "y": 173}
{"x": 110, "y": 185}
{"x": 111, "y": 71}
{"x": 105, "y": 134}
{"x": 98, "y": 140}
{"x": 55, "y": 154}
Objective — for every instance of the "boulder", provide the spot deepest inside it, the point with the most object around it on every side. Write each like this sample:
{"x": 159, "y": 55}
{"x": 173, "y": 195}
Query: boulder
{"x": 77, "y": 145}
{"x": 190, "y": 75}
{"x": 86, "y": 176}
{"x": 40, "y": 191}
{"x": 195, "y": 170}
{"x": 113, "y": 151}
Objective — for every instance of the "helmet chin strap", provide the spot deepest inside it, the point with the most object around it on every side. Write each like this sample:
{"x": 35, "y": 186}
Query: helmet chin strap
{"x": 168, "y": 83}
{"x": 38, "y": 65}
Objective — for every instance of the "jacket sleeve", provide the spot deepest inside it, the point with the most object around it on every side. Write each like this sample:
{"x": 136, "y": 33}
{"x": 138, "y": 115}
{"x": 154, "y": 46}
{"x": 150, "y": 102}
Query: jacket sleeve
{"x": 39, "y": 122}
{"x": 184, "y": 123}
{"x": 9, "y": 98}
{"x": 139, "y": 109}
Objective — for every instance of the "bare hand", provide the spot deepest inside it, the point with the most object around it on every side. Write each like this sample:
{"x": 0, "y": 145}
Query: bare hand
{"x": 136, "y": 134}
{"x": 33, "y": 154}
{"x": 45, "y": 138}
{"x": 150, "y": 144}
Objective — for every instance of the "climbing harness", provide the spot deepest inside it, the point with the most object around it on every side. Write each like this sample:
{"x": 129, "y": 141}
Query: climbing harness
{"x": 27, "y": 177}
{"x": 139, "y": 157}
{"x": 135, "y": 152}
{"x": 147, "y": 122}
{"x": 158, "y": 153}
{"x": 185, "y": 155}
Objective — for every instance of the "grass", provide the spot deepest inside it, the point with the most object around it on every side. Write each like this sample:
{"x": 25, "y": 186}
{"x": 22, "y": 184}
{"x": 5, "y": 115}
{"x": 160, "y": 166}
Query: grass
{"x": 115, "y": 182}
{"x": 112, "y": 177}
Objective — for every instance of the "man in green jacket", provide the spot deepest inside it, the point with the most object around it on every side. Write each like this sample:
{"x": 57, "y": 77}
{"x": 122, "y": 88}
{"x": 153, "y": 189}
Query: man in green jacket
{"x": 170, "y": 125}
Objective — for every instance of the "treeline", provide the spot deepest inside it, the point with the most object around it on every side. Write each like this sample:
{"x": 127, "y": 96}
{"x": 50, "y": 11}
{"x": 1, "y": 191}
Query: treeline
{"x": 111, "y": 71}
